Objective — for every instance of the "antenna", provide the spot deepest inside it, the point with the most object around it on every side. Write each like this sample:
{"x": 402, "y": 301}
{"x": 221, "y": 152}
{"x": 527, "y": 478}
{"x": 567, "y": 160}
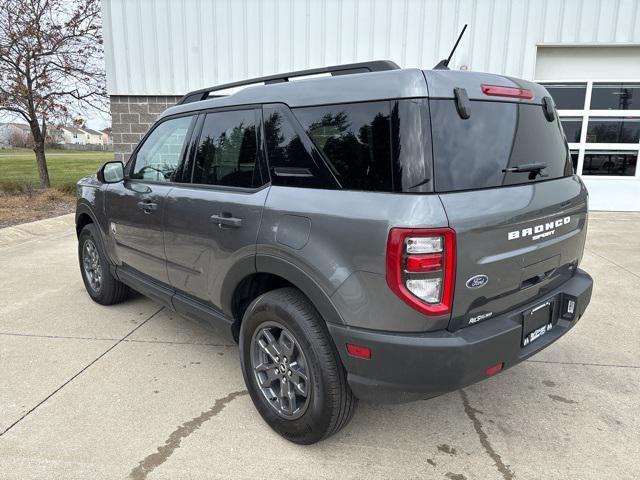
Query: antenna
{"x": 444, "y": 64}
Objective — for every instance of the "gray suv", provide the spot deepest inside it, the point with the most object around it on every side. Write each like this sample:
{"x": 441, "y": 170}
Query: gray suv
{"x": 370, "y": 233}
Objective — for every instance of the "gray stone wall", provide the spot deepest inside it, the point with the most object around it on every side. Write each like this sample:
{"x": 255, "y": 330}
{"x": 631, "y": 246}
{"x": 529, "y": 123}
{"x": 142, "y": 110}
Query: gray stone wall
{"x": 131, "y": 117}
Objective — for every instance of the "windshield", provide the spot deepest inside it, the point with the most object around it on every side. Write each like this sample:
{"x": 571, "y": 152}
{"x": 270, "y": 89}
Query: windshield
{"x": 474, "y": 153}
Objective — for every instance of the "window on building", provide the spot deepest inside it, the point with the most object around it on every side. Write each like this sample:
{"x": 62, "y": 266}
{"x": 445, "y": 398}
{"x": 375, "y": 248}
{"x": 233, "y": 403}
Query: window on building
{"x": 615, "y": 96}
{"x": 609, "y": 162}
{"x": 568, "y": 96}
{"x": 613, "y": 130}
{"x": 612, "y": 139}
{"x": 160, "y": 154}
{"x": 355, "y": 140}
{"x": 227, "y": 151}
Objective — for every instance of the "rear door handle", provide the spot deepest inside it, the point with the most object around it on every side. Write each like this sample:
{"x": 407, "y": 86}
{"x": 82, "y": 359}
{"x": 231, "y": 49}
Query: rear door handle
{"x": 147, "y": 207}
{"x": 226, "y": 220}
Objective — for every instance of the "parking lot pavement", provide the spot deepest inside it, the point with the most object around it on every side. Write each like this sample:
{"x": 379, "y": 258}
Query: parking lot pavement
{"x": 134, "y": 391}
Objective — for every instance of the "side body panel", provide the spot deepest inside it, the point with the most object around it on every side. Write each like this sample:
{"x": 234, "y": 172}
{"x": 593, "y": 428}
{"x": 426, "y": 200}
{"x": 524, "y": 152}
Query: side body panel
{"x": 134, "y": 212}
{"x": 200, "y": 251}
{"x": 91, "y": 202}
{"x": 340, "y": 243}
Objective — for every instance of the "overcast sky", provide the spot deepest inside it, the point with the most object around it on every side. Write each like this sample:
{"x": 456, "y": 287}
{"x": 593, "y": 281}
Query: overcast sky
{"x": 95, "y": 120}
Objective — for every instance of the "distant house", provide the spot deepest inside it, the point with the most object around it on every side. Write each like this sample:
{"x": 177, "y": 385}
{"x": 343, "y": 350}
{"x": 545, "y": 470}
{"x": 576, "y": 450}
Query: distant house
{"x": 72, "y": 135}
{"x": 81, "y": 136}
{"x": 92, "y": 137}
{"x": 15, "y": 135}
{"x": 107, "y": 137}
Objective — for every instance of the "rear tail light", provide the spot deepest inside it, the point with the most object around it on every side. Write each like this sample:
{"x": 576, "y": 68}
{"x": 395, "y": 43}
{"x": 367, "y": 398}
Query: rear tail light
{"x": 421, "y": 267}
{"x": 498, "y": 91}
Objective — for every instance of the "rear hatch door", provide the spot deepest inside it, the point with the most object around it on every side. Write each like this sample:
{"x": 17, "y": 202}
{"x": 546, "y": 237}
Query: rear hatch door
{"x": 518, "y": 234}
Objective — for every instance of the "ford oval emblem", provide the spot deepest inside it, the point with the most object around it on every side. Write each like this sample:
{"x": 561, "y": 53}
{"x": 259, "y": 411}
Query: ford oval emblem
{"x": 477, "y": 281}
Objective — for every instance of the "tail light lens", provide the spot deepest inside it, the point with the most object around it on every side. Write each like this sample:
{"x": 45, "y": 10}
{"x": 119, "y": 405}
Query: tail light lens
{"x": 499, "y": 91}
{"x": 421, "y": 267}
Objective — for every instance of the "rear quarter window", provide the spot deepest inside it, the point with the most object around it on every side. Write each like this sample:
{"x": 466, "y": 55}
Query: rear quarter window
{"x": 355, "y": 141}
{"x": 472, "y": 153}
{"x": 291, "y": 162}
{"x": 382, "y": 146}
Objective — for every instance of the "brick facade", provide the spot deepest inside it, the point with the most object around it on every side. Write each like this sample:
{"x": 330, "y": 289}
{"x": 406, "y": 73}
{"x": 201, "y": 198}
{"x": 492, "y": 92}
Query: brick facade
{"x": 131, "y": 117}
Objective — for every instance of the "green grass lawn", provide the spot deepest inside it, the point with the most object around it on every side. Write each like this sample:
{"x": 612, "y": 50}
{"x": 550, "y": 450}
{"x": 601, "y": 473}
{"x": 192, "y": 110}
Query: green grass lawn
{"x": 18, "y": 169}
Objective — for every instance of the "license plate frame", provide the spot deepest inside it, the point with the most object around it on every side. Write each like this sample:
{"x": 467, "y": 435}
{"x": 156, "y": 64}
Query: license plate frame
{"x": 536, "y": 322}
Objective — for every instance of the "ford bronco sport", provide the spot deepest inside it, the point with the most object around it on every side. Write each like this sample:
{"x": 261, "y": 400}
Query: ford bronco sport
{"x": 381, "y": 234}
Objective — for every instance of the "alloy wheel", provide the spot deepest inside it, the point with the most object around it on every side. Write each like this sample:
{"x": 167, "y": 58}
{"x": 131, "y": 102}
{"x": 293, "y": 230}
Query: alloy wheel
{"x": 281, "y": 370}
{"x": 92, "y": 266}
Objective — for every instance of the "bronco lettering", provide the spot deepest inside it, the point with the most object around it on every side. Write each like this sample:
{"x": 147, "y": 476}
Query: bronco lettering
{"x": 540, "y": 231}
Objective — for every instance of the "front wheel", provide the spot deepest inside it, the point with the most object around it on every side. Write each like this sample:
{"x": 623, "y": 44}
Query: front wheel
{"x": 291, "y": 369}
{"x": 100, "y": 284}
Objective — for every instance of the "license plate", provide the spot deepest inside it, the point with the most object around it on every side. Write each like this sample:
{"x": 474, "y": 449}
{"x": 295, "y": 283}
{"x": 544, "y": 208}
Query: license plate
{"x": 536, "y": 323}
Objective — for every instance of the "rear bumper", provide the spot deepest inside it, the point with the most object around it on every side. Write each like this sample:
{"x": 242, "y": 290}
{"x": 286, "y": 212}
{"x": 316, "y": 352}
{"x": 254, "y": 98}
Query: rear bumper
{"x": 411, "y": 367}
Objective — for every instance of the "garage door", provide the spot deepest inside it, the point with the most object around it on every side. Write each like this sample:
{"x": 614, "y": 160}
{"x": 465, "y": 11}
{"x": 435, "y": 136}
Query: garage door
{"x": 597, "y": 93}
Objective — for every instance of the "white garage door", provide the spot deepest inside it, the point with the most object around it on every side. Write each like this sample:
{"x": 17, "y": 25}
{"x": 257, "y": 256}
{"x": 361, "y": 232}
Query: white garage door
{"x": 597, "y": 93}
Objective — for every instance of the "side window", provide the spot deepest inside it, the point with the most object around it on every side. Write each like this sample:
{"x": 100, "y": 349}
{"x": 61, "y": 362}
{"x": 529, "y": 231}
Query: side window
{"x": 355, "y": 140}
{"x": 290, "y": 163}
{"x": 159, "y": 156}
{"x": 227, "y": 150}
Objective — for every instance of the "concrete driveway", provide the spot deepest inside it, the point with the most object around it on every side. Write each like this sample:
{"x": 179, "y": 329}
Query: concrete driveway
{"x": 134, "y": 391}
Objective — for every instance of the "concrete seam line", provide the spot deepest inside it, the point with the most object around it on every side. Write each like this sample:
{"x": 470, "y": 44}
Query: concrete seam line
{"x": 611, "y": 261}
{"x": 7, "y": 246}
{"x": 471, "y": 412}
{"x": 173, "y": 441}
{"x": 132, "y": 340}
{"x": 79, "y": 373}
{"x": 581, "y": 364}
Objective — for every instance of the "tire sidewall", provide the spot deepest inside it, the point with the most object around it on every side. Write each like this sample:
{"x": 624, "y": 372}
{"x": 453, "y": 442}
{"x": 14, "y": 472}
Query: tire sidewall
{"x": 89, "y": 233}
{"x": 316, "y": 420}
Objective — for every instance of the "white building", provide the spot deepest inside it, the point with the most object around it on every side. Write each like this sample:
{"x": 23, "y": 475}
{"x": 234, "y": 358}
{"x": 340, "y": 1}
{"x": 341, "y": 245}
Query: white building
{"x": 92, "y": 137}
{"x": 78, "y": 136}
{"x": 586, "y": 51}
{"x": 15, "y": 135}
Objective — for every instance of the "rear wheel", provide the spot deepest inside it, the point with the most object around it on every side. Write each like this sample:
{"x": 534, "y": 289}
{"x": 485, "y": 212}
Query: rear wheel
{"x": 292, "y": 371}
{"x": 100, "y": 284}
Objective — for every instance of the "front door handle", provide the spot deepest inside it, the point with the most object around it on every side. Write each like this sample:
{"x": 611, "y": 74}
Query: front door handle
{"x": 147, "y": 207}
{"x": 226, "y": 220}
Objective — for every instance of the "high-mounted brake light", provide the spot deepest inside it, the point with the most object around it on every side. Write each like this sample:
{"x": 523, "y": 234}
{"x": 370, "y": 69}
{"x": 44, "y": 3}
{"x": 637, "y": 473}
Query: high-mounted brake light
{"x": 421, "y": 267}
{"x": 499, "y": 91}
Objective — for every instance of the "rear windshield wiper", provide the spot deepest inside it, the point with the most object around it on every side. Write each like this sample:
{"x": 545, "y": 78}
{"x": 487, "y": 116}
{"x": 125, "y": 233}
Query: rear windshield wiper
{"x": 527, "y": 167}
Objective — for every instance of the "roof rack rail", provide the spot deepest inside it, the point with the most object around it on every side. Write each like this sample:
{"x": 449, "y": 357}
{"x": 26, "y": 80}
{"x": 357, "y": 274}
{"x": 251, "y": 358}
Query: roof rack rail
{"x": 346, "y": 69}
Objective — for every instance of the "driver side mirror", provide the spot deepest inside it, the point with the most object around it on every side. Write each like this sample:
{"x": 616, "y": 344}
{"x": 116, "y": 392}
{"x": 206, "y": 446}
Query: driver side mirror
{"x": 111, "y": 172}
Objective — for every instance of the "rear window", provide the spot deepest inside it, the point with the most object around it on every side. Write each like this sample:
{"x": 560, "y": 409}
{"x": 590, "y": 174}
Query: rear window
{"x": 472, "y": 153}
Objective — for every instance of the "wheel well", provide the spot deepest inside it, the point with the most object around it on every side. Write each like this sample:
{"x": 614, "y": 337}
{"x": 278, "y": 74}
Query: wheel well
{"x": 82, "y": 221}
{"x": 249, "y": 289}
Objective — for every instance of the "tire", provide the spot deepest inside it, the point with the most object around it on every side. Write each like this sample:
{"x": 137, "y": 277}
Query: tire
{"x": 329, "y": 404}
{"x": 103, "y": 288}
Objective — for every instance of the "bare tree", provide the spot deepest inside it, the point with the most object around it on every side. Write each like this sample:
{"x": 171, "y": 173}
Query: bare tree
{"x": 51, "y": 64}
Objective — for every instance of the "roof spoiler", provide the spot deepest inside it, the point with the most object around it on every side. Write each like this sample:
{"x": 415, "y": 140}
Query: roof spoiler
{"x": 346, "y": 69}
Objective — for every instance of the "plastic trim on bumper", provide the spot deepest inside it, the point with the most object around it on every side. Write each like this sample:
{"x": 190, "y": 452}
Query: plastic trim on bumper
{"x": 411, "y": 367}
